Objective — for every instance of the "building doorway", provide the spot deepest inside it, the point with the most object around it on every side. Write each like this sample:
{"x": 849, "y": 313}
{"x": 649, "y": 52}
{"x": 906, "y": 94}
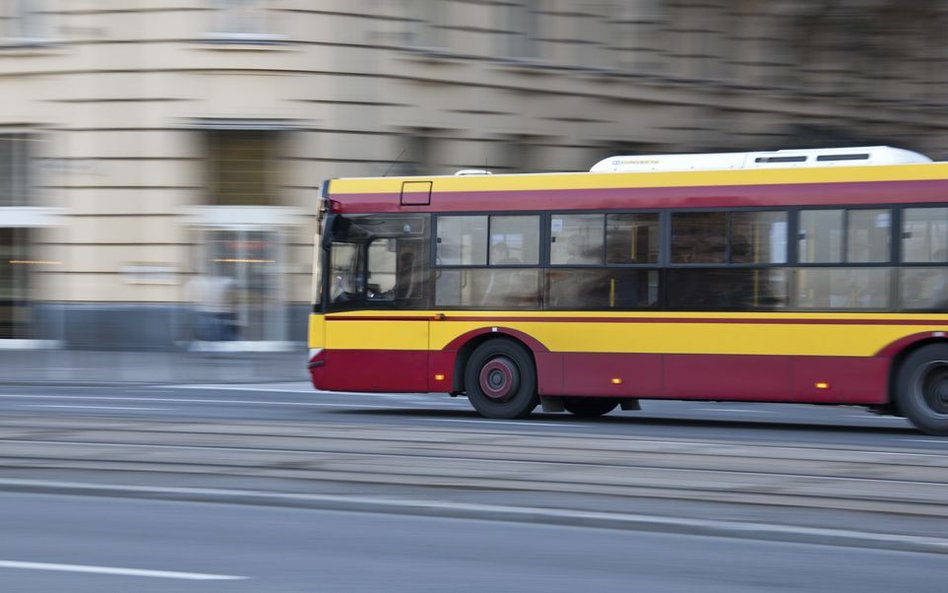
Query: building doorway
{"x": 15, "y": 309}
{"x": 237, "y": 292}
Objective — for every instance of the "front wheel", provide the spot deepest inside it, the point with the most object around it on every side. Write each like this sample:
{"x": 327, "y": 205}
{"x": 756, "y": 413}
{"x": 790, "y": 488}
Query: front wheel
{"x": 589, "y": 407}
{"x": 922, "y": 389}
{"x": 501, "y": 380}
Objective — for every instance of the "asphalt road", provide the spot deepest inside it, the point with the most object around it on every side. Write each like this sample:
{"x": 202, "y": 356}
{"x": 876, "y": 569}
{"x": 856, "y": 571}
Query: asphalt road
{"x": 762, "y": 472}
{"x": 738, "y": 422}
{"x": 97, "y": 545}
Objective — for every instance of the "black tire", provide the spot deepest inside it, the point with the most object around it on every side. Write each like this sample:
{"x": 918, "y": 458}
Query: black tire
{"x": 922, "y": 389}
{"x": 501, "y": 380}
{"x": 589, "y": 407}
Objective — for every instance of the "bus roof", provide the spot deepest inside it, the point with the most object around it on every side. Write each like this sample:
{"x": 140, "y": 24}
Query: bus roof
{"x": 807, "y": 157}
{"x": 760, "y": 183}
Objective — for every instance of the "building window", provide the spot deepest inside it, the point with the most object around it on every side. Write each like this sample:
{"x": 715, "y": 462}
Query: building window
{"x": 15, "y": 169}
{"x": 22, "y": 20}
{"x": 242, "y": 167}
{"x": 244, "y": 21}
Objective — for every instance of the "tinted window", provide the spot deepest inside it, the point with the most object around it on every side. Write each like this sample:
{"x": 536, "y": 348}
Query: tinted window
{"x": 821, "y": 236}
{"x": 613, "y": 288}
{"x": 488, "y": 288}
{"x": 837, "y": 236}
{"x": 843, "y": 288}
{"x": 758, "y": 238}
{"x": 925, "y": 235}
{"x": 514, "y": 240}
{"x": 632, "y": 238}
{"x": 699, "y": 237}
{"x": 924, "y": 289}
{"x": 577, "y": 239}
{"x": 734, "y": 289}
{"x": 868, "y": 236}
{"x": 462, "y": 241}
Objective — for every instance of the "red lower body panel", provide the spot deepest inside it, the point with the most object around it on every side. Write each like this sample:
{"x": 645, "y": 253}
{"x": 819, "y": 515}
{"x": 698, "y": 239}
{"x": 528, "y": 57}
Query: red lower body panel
{"x": 809, "y": 379}
{"x": 370, "y": 370}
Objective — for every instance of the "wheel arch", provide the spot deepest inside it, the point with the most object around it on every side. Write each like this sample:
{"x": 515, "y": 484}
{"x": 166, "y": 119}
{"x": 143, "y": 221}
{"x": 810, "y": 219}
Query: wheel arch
{"x": 466, "y": 344}
{"x": 900, "y": 350}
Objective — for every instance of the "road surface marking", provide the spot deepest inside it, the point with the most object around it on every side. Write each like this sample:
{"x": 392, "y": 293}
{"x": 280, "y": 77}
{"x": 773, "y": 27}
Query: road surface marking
{"x": 732, "y": 410}
{"x": 533, "y": 423}
{"x": 309, "y": 391}
{"x": 930, "y": 441}
{"x": 217, "y": 387}
{"x": 114, "y": 570}
{"x": 92, "y": 407}
{"x": 187, "y": 401}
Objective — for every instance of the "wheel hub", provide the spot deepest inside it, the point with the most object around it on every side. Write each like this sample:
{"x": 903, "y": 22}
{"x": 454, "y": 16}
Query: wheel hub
{"x": 499, "y": 379}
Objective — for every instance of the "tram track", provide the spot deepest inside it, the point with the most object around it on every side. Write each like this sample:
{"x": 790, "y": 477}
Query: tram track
{"x": 903, "y": 481}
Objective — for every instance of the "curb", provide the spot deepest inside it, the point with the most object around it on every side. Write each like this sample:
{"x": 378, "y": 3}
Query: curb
{"x": 487, "y": 512}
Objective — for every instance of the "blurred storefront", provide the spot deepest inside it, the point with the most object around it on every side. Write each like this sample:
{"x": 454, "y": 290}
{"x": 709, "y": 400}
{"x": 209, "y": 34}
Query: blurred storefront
{"x": 160, "y": 162}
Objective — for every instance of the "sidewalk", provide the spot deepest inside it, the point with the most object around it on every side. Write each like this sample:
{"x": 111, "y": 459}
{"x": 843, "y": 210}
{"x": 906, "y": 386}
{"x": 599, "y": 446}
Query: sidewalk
{"x": 89, "y": 366}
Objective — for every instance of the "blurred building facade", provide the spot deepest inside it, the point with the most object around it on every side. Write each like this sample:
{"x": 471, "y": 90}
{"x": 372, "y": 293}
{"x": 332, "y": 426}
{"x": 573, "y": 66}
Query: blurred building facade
{"x": 160, "y": 160}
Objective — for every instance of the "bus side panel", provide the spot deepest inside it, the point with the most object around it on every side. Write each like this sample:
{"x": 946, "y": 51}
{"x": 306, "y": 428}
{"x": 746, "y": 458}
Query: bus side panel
{"x": 441, "y": 371}
{"x": 611, "y": 374}
{"x": 728, "y": 377}
{"x": 551, "y": 372}
{"x": 810, "y": 379}
{"x": 848, "y": 380}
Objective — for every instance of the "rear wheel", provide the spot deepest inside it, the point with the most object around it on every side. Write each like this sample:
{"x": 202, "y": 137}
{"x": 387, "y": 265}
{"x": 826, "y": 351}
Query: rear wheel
{"x": 501, "y": 380}
{"x": 589, "y": 407}
{"x": 922, "y": 389}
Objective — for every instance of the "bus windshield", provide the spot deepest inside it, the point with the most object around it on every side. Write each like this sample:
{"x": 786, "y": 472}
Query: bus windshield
{"x": 378, "y": 261}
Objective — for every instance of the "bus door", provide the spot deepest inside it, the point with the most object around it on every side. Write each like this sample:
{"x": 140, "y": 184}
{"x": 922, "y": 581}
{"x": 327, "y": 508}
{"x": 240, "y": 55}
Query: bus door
{"x": 376, "y": 328}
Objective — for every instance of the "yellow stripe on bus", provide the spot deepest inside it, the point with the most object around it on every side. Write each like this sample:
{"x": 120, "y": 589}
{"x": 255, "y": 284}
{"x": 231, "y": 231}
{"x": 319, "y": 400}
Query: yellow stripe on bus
{"x": 703, "y": 338}
{"x": 658, "y": 333}
{"x": 579, "y": 181}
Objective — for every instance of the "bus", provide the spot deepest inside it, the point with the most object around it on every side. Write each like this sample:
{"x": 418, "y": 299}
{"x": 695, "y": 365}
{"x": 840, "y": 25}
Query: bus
{"x": 807, "y": 276}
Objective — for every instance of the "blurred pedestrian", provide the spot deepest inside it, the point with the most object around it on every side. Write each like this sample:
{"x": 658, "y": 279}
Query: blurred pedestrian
{"x": 213, "y": 298}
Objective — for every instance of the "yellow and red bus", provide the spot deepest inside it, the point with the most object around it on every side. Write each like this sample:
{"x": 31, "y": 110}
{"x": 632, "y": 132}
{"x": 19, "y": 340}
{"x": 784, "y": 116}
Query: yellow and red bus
{"x": 815, "y": 276}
